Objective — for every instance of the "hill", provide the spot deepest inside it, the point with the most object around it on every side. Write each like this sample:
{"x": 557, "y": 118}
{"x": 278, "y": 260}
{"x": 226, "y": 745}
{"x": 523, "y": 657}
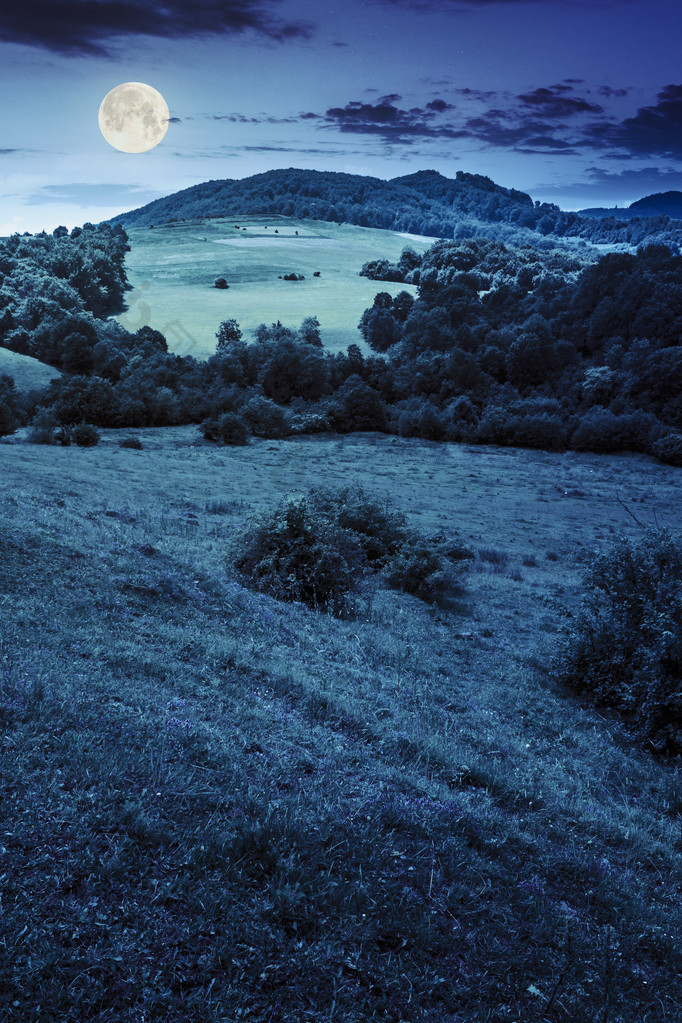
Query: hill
{"x": 28, "y": 374}
{"x": 425, "y": 203}
{"x": 669, "y": 203}
{"x": 660, "y": 204}
{"x": 218, "y": 806}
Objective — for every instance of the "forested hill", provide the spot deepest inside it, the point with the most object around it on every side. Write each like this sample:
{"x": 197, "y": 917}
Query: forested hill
{"x": 425, "y": 203}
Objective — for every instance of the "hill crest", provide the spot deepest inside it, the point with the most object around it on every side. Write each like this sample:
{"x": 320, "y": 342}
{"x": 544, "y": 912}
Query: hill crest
{"x": 423, "y": 203}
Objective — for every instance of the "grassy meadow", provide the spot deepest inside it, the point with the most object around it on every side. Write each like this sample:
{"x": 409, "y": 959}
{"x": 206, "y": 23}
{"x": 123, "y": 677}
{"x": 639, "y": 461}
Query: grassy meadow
{"x": 172, "y": 269}
{"x": 28, "y": 374}
{"x": 219, "y": 807}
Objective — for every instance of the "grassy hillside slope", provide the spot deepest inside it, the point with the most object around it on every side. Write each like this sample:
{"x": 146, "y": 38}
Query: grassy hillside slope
{"x": 28, "y": 373}
{"x": 219, "y": 807}
{"x": 172, "y": 270}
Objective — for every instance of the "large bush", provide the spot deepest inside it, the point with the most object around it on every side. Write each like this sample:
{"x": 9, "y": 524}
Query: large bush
{"x": 319, "y": 548}
{"x": 229, "y": 428}
{"x": 626, "y": 648}
{"x": 668, "y": 449}
{"x": 379, "y": 529}
{"x": 295, "y": 554}
{"x": 423, "y": 568}
{"x": 265, "y": 418}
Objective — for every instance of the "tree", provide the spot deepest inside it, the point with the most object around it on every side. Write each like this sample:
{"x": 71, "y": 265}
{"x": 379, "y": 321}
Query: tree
{"x": 357, "y": 406}
{"x": 310, "y": 331}
{"x": 228, "y": 334}
{"x": 9, "y": 419}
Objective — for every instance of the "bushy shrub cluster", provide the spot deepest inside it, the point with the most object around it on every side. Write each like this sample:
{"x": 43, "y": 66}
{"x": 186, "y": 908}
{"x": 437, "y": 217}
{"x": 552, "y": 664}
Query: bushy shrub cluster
{"x": 85, "y": 435}
{"x": 669, "y": 449}
{"x": 318, "y": 549}
{"x": 626, "y": 649}
{"x": 295, "y": 554}
{"x": 229, "y": 428}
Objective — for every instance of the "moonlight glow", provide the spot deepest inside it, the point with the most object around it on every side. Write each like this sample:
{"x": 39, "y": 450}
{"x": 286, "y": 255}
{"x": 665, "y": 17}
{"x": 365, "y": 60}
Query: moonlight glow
{"x": 133, "y": 117}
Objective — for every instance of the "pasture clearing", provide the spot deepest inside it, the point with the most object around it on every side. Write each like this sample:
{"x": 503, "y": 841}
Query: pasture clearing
{"x": 172, "y": 269}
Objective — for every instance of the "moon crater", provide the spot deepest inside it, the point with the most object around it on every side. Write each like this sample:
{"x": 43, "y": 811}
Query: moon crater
{"x": 133, "y": 117}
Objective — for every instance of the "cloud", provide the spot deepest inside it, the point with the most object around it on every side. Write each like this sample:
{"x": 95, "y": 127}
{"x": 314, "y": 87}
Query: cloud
{"x": 601, "y": 184}
{"x": 439, "y": 106}
{"x": 456, "y": 6}
{"x": 655, "y": 130}
{"x": 234, "y": 152}
{"x": 262, "y": 119}
{"x": 545, "y": 144}
{"x": 609, "y": 91}
{"x": 547, "y": 119}
{"x": 82, "y": 194}
{"x": 389, "y": 121}
{"x": 556, "y": 104}
{"x": 88, "y": 26}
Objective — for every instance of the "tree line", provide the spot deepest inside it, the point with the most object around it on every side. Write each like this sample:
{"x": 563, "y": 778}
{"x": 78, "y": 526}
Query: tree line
{"x": 426, "y": 203}
{"x": 542, "y": 347}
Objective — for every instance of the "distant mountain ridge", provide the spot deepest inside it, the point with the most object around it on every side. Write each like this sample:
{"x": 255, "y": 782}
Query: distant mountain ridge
{"x": 658, "y": 204}
{"x": 425, "y": 202}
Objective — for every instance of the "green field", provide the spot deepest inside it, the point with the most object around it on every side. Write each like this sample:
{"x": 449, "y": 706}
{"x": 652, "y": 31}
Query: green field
{"x": 216, "y": 806}
{"x": 28, "y": 373}
{"x": 172, "y": 269}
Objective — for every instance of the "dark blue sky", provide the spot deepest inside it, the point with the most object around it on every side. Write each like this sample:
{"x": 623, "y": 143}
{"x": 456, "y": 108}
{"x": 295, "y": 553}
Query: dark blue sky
{"x": 578, "y": 102}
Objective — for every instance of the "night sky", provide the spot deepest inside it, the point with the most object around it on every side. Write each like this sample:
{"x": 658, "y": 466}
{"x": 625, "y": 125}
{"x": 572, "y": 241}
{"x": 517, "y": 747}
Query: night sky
{"x": 577, "y": 102}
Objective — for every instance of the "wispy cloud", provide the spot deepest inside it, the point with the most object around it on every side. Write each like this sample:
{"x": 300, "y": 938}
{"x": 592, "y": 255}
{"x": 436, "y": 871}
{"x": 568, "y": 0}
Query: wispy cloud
{"x": 89, "y": 26}
{"x": 83, "y": 194}
{"x": 615, "y": 186}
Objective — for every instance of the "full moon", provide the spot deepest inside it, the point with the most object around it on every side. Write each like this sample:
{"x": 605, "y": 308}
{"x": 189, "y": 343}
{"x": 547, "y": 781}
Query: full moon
{"x": 133, "y": 117}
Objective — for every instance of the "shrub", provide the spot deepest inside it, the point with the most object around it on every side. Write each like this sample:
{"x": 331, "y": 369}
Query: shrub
{"x": 422, "y": 567}
{"x": 318, "y": 549}
{"x": 131, "y": 442}
{"x": 265, "y": 418}
{"x": 42, "y": 427}
{"x": 626, "y": 649}
{"x": 229, "y": 428}
{"x": 357, "y": 406}
{"x": 309, "y": 421}
{"x": 602, "y": 431}
{"x": 460, "y": 419}
{"x": 379, "y": 529}
{"x": 297, "y": 555}
{"x": 668, "y": 449}
{"x": 419, "y": 417}
{"x": 85, "y": 435}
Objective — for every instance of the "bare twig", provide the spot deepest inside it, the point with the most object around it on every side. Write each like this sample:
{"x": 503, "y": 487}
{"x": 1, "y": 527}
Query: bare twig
{"x": 632, "y": 515}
